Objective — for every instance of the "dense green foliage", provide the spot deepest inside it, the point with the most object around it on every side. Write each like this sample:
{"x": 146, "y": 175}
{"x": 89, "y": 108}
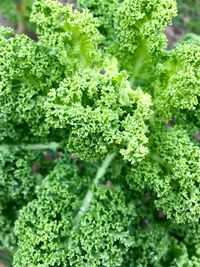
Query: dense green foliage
{"x": 113, "y": 113}
{"x": 99, "y": 138}
{"x": 18, "y": 11}
{"x": 21, "y": 173}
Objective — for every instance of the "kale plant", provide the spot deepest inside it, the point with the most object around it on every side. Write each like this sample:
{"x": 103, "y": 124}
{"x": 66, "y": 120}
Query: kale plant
{"x": 99, "y": 138}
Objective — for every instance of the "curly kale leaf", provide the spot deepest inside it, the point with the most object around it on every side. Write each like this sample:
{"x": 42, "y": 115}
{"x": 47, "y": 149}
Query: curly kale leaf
{"x": 171, "y": 170}
{"x": 111, "y": 232}
{"x": 102, "y": 113}
{"x": 178, "y": 82}
{"x": 139, "y": 32}
{"x": 70, "y": 36}
{"x": 18, "y": 186}
{"x": 49, "y": 233}
{"x": 104, "y": 11}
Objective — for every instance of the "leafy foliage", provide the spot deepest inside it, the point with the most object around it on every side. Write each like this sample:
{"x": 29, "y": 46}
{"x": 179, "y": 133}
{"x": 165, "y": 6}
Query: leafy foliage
{"x": 21, "y": 173}
{"x": 113, "y": 111}
{"x": 105, "y": 11}
{"x": 180, "y": 78}
{"x": 137, "y": 31}
{"x": 172, "y": 171}
{"x": 51, "y": 219}
{"x": 18, "y": 188}
{"x": 99, "y": 138}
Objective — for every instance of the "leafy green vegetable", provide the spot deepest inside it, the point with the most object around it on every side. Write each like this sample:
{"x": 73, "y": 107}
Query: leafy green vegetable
{"x": 49, "y": 226}
{"x": 99, "y": 138}
{"x": 102, "y": 113}
{"x": 178, "y": 86}
{"x": 172, "y": 171}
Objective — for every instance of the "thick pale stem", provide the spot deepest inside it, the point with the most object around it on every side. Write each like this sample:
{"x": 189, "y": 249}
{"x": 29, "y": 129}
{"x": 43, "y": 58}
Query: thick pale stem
{"x": 89, "y": 196}
{"x": 139, "y": 60}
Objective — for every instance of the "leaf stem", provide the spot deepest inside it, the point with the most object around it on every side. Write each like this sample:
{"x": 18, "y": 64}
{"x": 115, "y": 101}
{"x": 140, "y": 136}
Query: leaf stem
{"x": 89, "y": 196}
{"x": 51, "y": 146}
